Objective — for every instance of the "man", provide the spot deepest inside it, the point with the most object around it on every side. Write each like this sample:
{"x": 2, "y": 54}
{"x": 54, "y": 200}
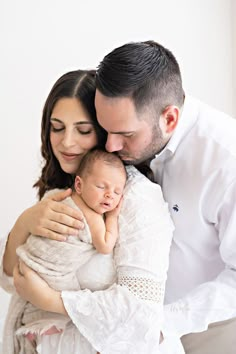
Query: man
{"x": 191, "y": 148}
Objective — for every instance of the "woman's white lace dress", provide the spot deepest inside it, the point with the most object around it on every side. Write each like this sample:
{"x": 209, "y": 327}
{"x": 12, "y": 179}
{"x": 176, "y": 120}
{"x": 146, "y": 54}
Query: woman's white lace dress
{"x": 120, "y": 306}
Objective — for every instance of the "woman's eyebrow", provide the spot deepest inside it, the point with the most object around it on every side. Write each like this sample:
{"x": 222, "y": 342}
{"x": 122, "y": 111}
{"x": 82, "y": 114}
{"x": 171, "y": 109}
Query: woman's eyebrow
{"x": 83, "y": 122}
{"x": 76, "y": 123}
{"x": 56, "y": 120}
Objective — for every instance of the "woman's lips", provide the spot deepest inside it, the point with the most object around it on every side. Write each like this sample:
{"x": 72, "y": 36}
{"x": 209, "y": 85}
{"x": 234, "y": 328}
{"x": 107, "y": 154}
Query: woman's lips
{"x": 69, "y": 156}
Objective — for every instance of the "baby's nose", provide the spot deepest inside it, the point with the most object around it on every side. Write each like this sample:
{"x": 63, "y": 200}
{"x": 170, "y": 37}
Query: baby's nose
{"x": 108, "y": 194}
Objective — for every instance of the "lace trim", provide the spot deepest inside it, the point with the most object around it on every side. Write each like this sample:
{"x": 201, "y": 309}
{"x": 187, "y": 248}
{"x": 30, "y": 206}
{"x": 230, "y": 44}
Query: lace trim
{"x": 143, "y": 288}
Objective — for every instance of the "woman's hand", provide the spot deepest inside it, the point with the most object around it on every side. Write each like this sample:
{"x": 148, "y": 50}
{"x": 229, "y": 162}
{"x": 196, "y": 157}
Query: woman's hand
{"x": 31, "y": 287}
{"x": 54, "y": 220}
{"x": 48, "y": 218}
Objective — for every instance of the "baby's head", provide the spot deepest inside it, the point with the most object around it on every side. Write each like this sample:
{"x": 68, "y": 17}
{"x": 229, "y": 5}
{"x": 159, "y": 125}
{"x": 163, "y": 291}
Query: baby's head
{"x": 100, "y": 180}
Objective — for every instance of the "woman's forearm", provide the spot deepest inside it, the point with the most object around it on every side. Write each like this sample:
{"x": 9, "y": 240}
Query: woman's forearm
{"x": 17, "y": 237}
{"x": 47, "y": 218}
{"x": 55, "y": 304}
{"x": 31, "y": 287}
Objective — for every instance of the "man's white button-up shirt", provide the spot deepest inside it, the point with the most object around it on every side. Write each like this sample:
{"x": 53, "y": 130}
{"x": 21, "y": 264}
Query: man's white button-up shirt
{"x": 197, "y": 172}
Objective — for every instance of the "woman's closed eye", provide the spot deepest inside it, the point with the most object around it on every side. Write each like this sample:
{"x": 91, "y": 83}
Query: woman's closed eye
{"x": 85, "y": 132}
{"x": 56, "y": 130}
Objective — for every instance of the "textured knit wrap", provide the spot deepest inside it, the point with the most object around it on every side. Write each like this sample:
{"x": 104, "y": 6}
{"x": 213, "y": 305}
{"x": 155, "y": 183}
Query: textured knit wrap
{"x": 57, "y": 263}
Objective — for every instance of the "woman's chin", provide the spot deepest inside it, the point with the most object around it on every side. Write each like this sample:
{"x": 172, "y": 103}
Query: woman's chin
{"x": 70, "y": 169}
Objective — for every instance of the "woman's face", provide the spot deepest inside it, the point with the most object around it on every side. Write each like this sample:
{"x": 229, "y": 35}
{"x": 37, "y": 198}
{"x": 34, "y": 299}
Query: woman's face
{"x": 72, "y": 133}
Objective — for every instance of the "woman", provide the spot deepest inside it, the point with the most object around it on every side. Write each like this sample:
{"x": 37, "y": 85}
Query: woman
{"x": 49, "y": 218}
{"x": 121, "y": 318}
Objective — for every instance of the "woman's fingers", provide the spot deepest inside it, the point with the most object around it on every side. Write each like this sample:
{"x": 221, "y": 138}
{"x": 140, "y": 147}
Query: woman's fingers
{"x": 61, "y": 235}
{"x": 66, "y": 214}
{"x": 55, "y": 220}
{"x": 31, "y": 287}
{"x": 16, "y": 271}
{"x": 60, "y": 219}
{"x": 20, "y": 268}
{"x": 18, "y": 276}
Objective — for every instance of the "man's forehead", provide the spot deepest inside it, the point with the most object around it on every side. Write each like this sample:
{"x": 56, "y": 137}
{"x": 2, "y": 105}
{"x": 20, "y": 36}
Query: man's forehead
{"x": 118, "y": 126}
{"x": 116, "y": 114}
{"x": 104, "y": 102}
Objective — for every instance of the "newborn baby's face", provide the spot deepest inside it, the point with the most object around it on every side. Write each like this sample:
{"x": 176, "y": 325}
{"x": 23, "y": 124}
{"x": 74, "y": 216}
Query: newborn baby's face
{"x": 102, "y": 189}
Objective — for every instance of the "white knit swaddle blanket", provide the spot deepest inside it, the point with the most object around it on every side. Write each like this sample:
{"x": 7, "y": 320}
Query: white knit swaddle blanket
{"x": 57, "y": 263}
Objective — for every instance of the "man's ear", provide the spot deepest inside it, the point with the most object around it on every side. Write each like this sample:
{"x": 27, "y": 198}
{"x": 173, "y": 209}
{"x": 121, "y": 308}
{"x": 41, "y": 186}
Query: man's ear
{"x": 169, "y": 119}
{"x": 78, "y": 184}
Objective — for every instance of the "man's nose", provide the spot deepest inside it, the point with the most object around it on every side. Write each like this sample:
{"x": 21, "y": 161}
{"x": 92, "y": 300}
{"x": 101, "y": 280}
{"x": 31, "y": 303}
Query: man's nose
{"x": 114, "y": 142}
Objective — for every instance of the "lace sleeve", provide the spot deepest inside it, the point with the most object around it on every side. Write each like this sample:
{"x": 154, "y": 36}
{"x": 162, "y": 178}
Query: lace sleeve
{"x": 143, "y": 288}
{"x": 127, "y": 317}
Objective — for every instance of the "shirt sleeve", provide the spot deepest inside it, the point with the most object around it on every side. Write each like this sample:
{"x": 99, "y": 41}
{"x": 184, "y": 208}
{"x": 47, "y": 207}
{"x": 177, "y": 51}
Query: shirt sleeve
{"x": 6, "y": 282}
{"x": 127, "y": 317}
{"x": 215, "y": 300}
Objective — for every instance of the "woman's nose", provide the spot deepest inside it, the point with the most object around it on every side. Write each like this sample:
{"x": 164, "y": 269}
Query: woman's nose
{"x": 68, "y": 139}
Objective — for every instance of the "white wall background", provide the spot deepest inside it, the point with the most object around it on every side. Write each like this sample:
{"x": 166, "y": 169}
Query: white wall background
{"x": 44, "y": 39}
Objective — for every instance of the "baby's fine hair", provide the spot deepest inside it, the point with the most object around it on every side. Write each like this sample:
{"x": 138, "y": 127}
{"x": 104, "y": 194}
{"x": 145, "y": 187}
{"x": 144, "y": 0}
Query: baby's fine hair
{"x": 88, "y": 160}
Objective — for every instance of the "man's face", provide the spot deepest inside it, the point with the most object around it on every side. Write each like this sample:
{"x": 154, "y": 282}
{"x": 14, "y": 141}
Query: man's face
{"x": 135, "y": 138}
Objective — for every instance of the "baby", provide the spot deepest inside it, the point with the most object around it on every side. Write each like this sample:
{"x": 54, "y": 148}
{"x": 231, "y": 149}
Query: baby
{"x": 99, "y": 185}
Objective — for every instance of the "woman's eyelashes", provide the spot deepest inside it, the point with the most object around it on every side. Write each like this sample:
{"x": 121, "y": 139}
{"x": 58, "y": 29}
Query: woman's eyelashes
{"x": 56, "y": 130}
{"x": 85, "y": 132}
{"x": 60, "y": 129}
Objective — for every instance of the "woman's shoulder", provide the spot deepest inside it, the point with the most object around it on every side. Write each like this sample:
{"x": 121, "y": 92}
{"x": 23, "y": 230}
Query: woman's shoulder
{"x": 137, "y": 182}
{"x": 140, "y": 193}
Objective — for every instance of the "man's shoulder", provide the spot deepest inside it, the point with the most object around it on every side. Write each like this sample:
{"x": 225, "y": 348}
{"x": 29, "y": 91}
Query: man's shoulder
{"x": 214, "y": 126}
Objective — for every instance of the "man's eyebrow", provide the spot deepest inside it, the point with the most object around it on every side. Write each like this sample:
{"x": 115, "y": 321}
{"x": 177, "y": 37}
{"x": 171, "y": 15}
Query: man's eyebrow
{"x": 121, "y": 132}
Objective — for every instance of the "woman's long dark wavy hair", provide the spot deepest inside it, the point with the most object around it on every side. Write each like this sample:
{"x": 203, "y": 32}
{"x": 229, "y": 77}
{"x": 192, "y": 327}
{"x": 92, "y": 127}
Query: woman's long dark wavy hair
{"x": 74, "y": 84}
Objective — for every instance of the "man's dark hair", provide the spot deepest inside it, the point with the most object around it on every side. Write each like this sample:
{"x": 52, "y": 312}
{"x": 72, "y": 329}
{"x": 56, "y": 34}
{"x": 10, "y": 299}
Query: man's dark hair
{"x": 146, "y": 72}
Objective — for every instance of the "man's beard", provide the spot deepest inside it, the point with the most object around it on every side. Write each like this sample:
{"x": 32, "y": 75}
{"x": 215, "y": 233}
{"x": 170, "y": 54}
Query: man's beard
{"x": 156, "y": 145}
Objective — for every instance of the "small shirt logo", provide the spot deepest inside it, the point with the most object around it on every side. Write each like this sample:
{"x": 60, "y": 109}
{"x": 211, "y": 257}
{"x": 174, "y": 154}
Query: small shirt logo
{"x": 175, "y": 208}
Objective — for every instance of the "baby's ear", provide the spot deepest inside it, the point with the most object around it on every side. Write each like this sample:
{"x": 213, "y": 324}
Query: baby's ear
{"x": 78, "y": 184}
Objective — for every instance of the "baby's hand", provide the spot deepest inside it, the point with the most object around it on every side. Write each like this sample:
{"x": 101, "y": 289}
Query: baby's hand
{"x": 115, "y": 212}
